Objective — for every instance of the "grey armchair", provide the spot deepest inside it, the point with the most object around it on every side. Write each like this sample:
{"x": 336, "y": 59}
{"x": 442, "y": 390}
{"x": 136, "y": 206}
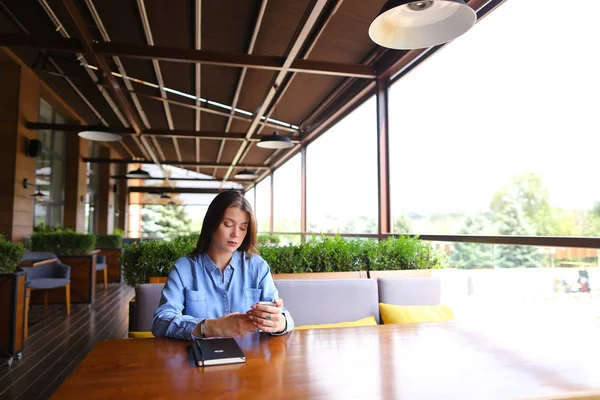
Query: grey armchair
{"x": 50, "y": 275}
{"x": 101, "y": 265}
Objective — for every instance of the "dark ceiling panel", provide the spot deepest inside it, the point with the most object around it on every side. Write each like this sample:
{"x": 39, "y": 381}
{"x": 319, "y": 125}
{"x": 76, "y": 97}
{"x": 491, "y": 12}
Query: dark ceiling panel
{"x": 209, "y": 150}
{"x": 128, "y": 140}
{"x": 346, "y": 38}
{"x": 227, "y": 25}
{"x": 172, "y": 24}
{"x": 256, "y": 155}
{"x": 239, "y": 126}
{"x": 219, "y": 83}
{"x": 155, "y": 112}
{"x": 183, "y": 117}
{"x": 280, "y": 22}
{"x": 187, "y": 147}
{"x": 305, "y": 93}
{"x": 255, "y": 88}
{"x": 207, "y": 171}
{"x": 166, "y": 144}
{"x": 229, "y": 150}
{"x": 211, "y": 122}
{"x": 122, "y": 21}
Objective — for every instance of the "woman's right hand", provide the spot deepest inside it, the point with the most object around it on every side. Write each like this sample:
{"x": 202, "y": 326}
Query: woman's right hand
{"x": 229, "y": 325}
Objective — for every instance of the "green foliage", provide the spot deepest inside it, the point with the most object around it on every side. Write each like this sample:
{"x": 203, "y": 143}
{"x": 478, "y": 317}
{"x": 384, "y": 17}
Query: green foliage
{"x": 109, "y": 241}
{"x": 402, "y": 225}
{"x": 146, "y": 258}
{"x": 43, "y": 228}
{"x": 334, "y": 254}
{"x": 268, "y": 238}
{"x": 528, "y": 191}
{"x": 119, "y": 232}
{"x": 473, "y": 255}
{"x": 406, "y": 252}
{"x": 190, "y": 240}
{"x": 11, "y": 255}
{"x": 514, "y": 223}
{"x": 65, "y": 242}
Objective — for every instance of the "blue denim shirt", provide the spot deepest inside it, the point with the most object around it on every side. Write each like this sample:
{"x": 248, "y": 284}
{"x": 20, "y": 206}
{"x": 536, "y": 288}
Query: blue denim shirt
{"x": 196, "y": 290}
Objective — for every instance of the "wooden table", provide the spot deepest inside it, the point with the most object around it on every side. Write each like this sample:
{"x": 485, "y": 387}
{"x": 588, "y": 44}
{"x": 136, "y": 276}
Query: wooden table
{"x": 425, "y": 361}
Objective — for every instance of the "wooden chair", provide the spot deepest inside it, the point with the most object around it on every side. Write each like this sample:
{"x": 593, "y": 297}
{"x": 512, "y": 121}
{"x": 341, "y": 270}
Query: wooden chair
{"x": 45, "y": 277}
{"x": 101, "y": 265}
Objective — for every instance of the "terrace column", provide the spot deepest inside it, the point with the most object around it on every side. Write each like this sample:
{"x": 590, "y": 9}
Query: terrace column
{"x": 75, "y": 181}
{"x": 123, "y": 198}
{"x": 19, "y": 103}
{"x": 383, "y": 157}
{"x": 106, "y": 195}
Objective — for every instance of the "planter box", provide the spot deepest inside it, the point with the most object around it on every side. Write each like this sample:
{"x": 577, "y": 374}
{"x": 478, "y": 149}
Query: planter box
{"x": 157, "y": 279}
{"x": 323, "y": 275}
{"x": 83, "y": 281}
{"x": 114, "y": 267}
{"x": 401, "y": 273}
{"x": 12, "y": 314}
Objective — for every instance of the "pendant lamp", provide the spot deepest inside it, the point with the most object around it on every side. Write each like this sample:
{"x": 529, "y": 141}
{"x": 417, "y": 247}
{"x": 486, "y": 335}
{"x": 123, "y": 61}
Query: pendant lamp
{"x": 403, "y": 24}
{"x": 100, "y": 134}
{"x": 245, "y": 174}
{"x": 275, "y": 141}
{"x": 138, "y": 173}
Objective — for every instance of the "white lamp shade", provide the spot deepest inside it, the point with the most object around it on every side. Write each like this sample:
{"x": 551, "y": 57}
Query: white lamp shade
{"x": 245, "y": 174}
{"x": 100, "y": 136}
{"x": 413, "y": 24}
{"x": 275, "y": 141}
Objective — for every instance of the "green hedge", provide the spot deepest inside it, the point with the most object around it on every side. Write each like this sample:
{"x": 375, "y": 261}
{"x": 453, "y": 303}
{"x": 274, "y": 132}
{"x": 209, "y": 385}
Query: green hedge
{"x": 334, "y": 254}
{"x": 11, "y": 255}
{"x": 109, "y": 241}
{"x": 144, "y": 259}
{"x": 63, "y": 242}
{"x": 268, "y": 238}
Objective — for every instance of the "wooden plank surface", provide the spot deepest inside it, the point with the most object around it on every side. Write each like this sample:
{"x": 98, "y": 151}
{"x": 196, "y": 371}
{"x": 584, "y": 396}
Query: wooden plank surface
{"x": 420, "y": 361}
{"x": 58, "y": 343}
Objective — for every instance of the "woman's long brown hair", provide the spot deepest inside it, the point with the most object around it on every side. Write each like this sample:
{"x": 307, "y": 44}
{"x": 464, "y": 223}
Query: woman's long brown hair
{"x": 214, "y": 216}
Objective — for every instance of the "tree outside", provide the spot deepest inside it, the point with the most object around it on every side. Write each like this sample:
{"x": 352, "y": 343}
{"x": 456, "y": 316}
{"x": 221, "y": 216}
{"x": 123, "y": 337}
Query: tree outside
{"x": 513, "y": 222}
{"x": 164, "y": 218}
{"x": 473, "y": 255}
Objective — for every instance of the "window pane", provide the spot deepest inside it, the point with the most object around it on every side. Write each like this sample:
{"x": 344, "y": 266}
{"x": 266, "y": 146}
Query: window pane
{"x": 476, "y": 135}
{"x": 263, "y": 205}
{"x": 342, "y": 175}
{"x": 250, "y": 197}
{"x": 59, "y": 143}
{"x": 287, "y": 187}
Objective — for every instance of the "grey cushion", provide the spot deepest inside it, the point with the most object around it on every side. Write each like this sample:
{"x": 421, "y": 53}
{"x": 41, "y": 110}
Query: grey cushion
{"x": 47, "y": 283}
{"x": 100, "y": 267}
{"x": 329, "y": 300}
{"x": 420, "y": 291}
{"x": 101, "y": 262}
{"x": 33, "y": 256}
{"x": 147, "y": 297}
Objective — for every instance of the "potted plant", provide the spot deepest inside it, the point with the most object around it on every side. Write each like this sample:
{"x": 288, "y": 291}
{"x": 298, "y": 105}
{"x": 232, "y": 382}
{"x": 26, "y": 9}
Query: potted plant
{"x": 110, "y": 247}
{"x": 12, "y": 299}
{"x": 77, "y": 251}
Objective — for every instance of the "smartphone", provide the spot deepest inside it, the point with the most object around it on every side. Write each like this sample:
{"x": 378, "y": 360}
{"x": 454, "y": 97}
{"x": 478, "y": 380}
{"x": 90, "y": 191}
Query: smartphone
{"x": 268, "y": 303}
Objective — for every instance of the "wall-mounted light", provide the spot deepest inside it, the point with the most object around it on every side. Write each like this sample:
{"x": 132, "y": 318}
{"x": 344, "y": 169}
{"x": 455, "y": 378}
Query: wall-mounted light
{"x": 25, "y": 183}
{"x": 39, "y": 196}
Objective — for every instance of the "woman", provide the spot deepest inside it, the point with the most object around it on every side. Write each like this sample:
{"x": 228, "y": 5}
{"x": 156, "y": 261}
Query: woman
{"x": 215, "y": 290}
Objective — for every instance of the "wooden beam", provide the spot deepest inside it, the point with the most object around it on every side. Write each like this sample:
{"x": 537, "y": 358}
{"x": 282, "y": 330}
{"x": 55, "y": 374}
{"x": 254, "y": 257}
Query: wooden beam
{"x": 121, "y": 177}
{"x": 149, "y": 132}
{"x": 149, "y": 189}
{"x": 174, "y": 54}
{"x": 101, "y": 160}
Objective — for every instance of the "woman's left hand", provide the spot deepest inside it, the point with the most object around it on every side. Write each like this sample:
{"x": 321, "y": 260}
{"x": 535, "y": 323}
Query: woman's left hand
{"x": 268, "y": 318}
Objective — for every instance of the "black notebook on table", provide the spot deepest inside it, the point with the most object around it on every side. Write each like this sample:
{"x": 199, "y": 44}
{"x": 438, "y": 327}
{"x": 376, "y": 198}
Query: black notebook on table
{"x": 217, "y": 351}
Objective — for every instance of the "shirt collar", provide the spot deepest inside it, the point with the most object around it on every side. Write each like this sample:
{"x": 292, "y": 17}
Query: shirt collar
{"x": 208, "y": 263}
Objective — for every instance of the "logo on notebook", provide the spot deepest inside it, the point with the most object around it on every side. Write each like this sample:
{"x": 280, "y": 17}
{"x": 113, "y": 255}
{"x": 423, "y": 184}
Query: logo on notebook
{"x": 219, "y": 351}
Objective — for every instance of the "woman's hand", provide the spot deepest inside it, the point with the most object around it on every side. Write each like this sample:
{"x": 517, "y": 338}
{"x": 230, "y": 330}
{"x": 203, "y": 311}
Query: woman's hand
{"x": 229, "y": 325}
{"x": 268, "y": 318}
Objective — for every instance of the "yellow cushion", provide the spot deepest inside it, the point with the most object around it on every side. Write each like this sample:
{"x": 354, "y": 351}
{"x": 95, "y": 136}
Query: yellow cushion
{"x": 361, "y": 322}
{"x": 392, "y": 314}
{"x": 140, "y": 335}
